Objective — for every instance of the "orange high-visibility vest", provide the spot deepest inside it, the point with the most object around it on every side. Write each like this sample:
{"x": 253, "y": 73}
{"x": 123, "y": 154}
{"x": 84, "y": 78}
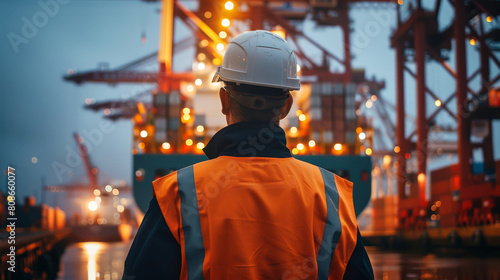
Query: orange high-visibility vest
{"x": 259, "y": 218}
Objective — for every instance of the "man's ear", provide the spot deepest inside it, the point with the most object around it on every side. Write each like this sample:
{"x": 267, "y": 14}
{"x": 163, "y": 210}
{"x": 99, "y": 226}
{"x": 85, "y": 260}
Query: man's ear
{"x": 286, "y": 109}
{"x": 224, "y": 100}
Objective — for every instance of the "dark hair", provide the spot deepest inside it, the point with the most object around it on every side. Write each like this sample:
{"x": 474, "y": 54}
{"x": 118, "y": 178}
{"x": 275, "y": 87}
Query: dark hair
{"x": 242, "y": 113}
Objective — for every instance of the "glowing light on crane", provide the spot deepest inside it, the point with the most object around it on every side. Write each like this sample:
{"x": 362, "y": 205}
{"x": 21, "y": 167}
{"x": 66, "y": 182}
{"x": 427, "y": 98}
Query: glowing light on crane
{"x": 208, "y": 14}
{"x": 337, "y": 147}
{"x": 229, "y": 5}
{"x": 437, "y": 103}
{"x": 216, "y": 61}
{"x": 472, "y": 42}
{"x": 198, "y": 82}
{"x": 200, "y": 145}
{"x": 312, "y": 143}
{"x": 362, "y": 136}
{"x": 203, "y": 43}
{"x": 189, "y": 142}
{"x": 369, "y": 152}
{"x": 397, "y": 149}
{"x": 201, "y": 66}
{"x": 222, "y": 34}
{"x": 92, "y": 205}
{"x": 293, "y": 129}
{"x": 201, "y": 56}
{"x": 165, "y": 145}
{"x": 488, "y": 19}
{"x": 225, "y": 22}
{"x": 369, "y": 104}
{"x": 200, "y": 128}
{"x": 300, "y": 146}
{"x": 220, "y": 46}
{"x": 186, "y": 111}
{"x": 144, "y": 134}
{"x": 302, "y": 117}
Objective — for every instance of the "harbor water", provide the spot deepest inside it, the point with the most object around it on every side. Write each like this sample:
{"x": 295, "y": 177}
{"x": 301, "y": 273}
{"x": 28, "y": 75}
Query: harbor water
{"x": 100, "y": 260}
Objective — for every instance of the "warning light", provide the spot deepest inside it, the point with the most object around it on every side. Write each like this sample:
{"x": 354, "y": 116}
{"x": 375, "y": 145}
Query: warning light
{"x": 97, "y": 192}
{"x": 200, "y": 128}
{"x": 295, "y": 151}
{"x": 359, "y": 130}
{"x": 142, "y": 145}
{"x": 400, "y": 2}
{"x": 362, "y": 136}
{"x": 186, "y": 111}
{"x": 208, "y": 14}
{"x": 222, "y": 34}
{"x": 302, "y": 117}
{"x": 407, "y": 156}
{"x": 337, "y": 147}
{"x": 293, "y": 129}
{"x": 189, "y": 142}
{"x": 397, "y": 149}
{"x": 144, "y": 134}
{"x": 369, "y": 152}
{"x": 298, "y": 113}
{"x": 472, "y": 42}
{"x": 186, "y": 117}
{"x": 204, "y": 43}
{"x": 437, "y": 103}
{"x": 198, "y": 82}
{"x": 220, "y": 46}
{"x": 300, "y": 146}
{"x": 488, "y": 19}
{"x": 201, "y": 56}
{"x": 374, "y": 98}
{"x": 201, "y": 66}
{"x": 190, "y": 88}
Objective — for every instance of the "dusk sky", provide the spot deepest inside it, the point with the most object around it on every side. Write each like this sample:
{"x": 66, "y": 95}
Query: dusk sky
{"x": 40, "y": 111}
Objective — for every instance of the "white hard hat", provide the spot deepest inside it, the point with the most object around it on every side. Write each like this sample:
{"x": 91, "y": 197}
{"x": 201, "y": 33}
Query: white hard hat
{"x": 259, "y": 58}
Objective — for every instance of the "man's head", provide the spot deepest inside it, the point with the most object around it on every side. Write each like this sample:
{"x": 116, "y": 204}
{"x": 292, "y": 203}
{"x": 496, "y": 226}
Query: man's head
{"x": 259, "y": 70}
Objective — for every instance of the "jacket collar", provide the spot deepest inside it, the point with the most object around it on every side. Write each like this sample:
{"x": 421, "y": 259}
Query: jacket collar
{"x": 248, "y": 139}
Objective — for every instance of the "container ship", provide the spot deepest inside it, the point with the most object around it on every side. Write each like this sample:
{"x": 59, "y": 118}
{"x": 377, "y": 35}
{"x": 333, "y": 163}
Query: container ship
{"x": 340, "y": 120}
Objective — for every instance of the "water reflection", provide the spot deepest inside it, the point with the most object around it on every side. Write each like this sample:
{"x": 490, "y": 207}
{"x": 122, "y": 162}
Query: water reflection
{"x": 94, "y": 261}
{"x": 91, "y": 249}
{"x": 458, "y": 265}
{"x": 104, "y": 261}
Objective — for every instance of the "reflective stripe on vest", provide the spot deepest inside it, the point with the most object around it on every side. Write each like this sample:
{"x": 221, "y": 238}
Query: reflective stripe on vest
{"x": 195, "y": 252}
{"x": 333, "y": 227}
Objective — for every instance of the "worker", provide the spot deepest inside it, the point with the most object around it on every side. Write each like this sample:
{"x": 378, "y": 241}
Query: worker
{"x": 251, "y": 211}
